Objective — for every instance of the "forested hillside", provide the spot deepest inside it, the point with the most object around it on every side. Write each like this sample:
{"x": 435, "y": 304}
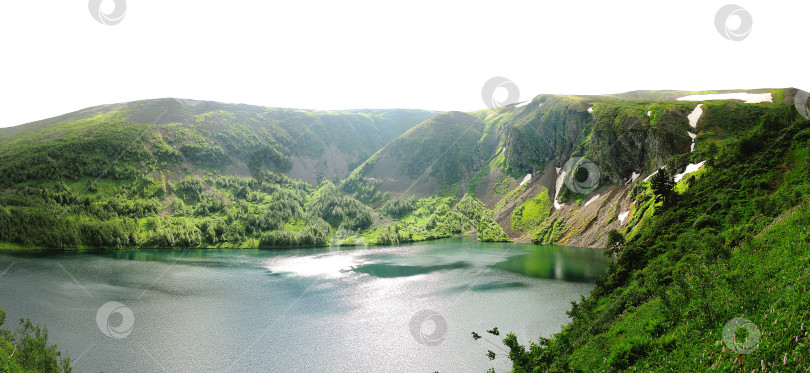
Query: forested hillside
{"x": 173, "y": 173}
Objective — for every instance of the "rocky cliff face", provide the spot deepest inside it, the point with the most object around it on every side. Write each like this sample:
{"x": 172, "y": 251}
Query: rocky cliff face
{"x": 619, "y": 136}
{"x": 626, "y": 139}
{"x": 520, "y": 160}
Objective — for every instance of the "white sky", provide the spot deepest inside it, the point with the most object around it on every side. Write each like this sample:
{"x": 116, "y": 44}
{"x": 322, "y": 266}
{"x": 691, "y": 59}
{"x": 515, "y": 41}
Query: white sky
{"x": 436, "y": 54}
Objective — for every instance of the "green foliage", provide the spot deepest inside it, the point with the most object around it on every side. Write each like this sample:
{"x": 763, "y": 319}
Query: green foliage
{"x": 315, "y": 233}
{"x": 730, "y": 245}
{"x": 399, "y": 207}
{"x": 204, "y": 155}
{"x": 550, "y": 232}
{"x": 338, "y": 209}
{"x": 487, "y": 229}
{"x": 531, "y": 213}
{"x": 615, "y": 243}
{"x": 434, "y": 155}
{"x": 431, "y": 218}
{"x": 28, "y": 349}
{"x": 663, "y": 187}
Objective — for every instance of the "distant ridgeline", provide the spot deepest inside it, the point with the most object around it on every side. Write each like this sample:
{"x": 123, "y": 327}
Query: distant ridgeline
{"x": 174, "y": 174}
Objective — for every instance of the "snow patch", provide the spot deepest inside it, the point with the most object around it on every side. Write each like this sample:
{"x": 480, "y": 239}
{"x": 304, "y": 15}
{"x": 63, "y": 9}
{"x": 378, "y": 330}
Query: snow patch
{"x": 693, "y": 119}
{"x": 591, "y": 200}
{"x": 526, "y": 179}
{"x": 695, "y": 115}
{"x": 560, "y": 181}
{"x": 653, "y": 174}
{"x": 623, "y": 216}
{"x": 689, "y": 169}
{"x": 693, "y": 136}
{"x": 748, "y": 98}
{"x": 524, "y": 103}
{"x": 633, "y": 178}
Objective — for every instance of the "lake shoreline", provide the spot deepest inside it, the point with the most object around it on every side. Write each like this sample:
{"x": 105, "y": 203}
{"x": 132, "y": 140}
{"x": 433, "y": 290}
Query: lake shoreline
{"x": 6, "y": 247}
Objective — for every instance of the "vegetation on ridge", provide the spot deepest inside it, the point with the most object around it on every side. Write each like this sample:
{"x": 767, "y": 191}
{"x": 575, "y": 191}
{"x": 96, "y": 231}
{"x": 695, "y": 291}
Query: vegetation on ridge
{"x": 731, "y": 243}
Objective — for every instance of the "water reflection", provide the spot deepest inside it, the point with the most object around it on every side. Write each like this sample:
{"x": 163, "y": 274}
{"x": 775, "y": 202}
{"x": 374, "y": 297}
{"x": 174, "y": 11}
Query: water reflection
{"x": 557, "y": 262}
{"x": 385, "y": 270}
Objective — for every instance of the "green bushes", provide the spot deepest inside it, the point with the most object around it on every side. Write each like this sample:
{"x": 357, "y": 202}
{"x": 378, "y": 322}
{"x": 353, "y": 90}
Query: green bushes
{"x": 204, "y": 155}
{"x": 190, "y": 188}
{"x": 550, "y": 232}
{"x": 28, "y": 350}
{"x": 531, "y": 213}
{"x": 487, "y": 229}
{"x": 731, "y": 244}
{"x": 339, "y": 209}
{"x": 627, "y": 352}
{"x": 399, "y": 207}
{"x": 315, "y": 233}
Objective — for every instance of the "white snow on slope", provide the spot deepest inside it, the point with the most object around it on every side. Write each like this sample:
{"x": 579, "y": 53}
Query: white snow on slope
{"x": 693, "y": 119}
{"x": 693, "y": 136}
{"x": 526, "y": 179}
{"x": 748, "y": 98}
{"x": 591, "y": 200}
{"x": 695, "y": 115}
{"x": 689, "y": 169}
{"x": 560, "y": 181}
{"x": 524, "y": 103}
{"x": 652, "y": 174}
{"x": 623, "y": 216}
{"x": 633, "y": 177}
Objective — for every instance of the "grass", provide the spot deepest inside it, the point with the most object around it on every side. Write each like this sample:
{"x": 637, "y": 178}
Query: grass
{"x": 531, "y": 213}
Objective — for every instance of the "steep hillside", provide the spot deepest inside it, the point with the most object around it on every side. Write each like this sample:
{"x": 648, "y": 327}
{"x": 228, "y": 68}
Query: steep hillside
{"x": 227, "y": 138}
{"x": 430, "y": 157}
{"x": 524, "y": 162}
{"x": 558, "y": 169}
{"x": 169, "y": 173}
{"x": 724, "y": 247}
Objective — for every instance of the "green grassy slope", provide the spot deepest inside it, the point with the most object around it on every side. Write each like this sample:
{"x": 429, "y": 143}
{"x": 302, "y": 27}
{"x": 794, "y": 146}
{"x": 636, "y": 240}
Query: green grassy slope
{"x": 730, "y": 243}
{"x": 428, "y": 159}
{"x": 158, "y": 173}
{"x": 624, "y": 134}
{"x": 230, "y": 139}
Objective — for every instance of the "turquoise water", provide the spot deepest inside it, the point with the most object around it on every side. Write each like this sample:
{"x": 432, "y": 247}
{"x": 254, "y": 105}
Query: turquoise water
{"x": 408, "y": 308}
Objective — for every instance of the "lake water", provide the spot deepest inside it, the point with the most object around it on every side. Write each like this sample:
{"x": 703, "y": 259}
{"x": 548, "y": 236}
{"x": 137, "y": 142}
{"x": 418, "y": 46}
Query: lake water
{"x": 409, "y": 308}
